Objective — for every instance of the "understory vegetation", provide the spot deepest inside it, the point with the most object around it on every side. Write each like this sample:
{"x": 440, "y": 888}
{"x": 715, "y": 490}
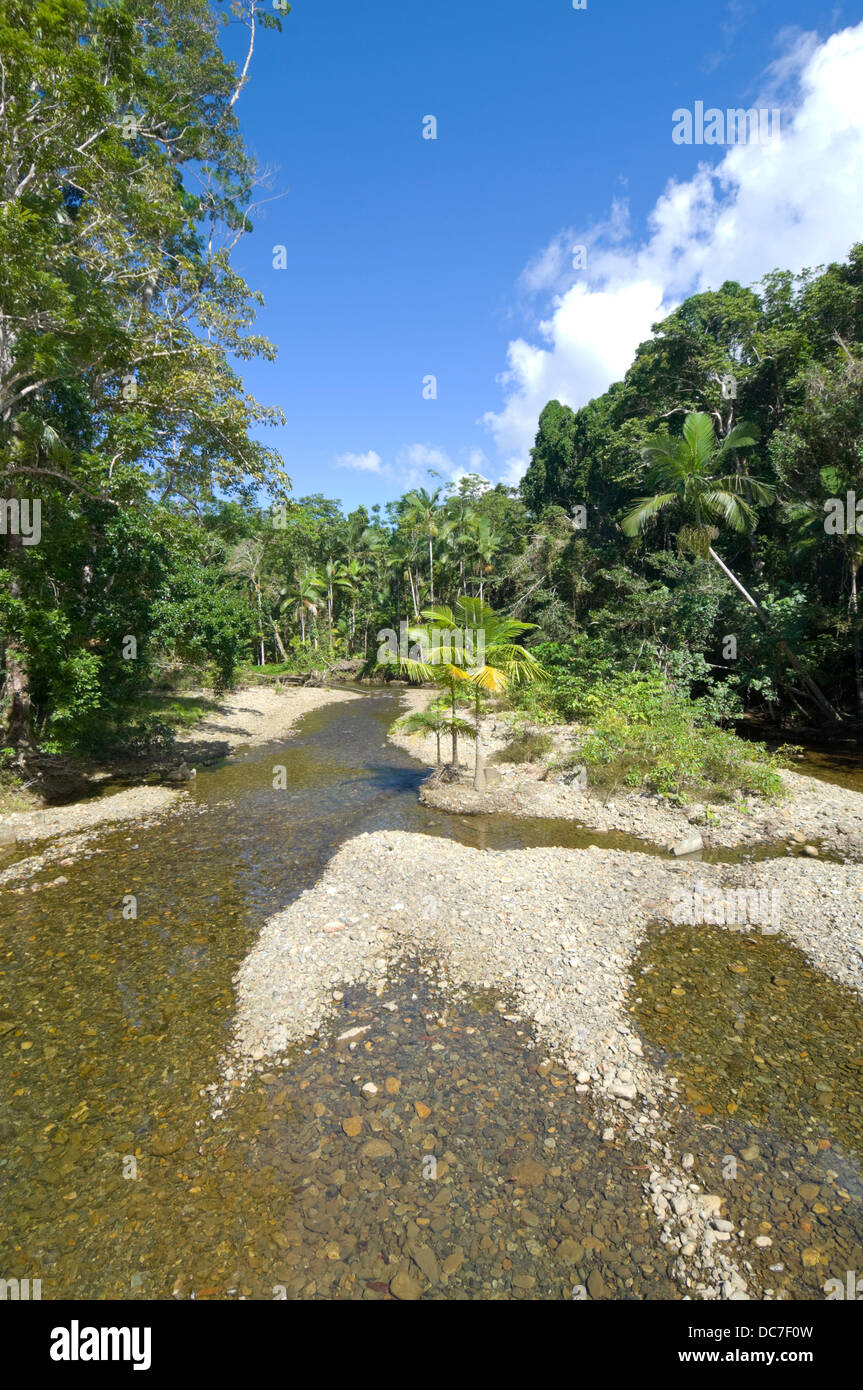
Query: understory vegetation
{"x": 645, "y": 736}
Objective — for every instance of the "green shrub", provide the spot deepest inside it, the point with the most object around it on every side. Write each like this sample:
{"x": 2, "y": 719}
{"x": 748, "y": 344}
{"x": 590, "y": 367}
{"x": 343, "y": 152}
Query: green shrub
{"x": 525, "y": 747}
{"x": 644, "y": 735}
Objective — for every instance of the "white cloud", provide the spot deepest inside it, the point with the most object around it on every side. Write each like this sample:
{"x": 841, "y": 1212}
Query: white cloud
{"x": 365, "y": 463}
{"x": 477, "y": 461}
{"x": 416, "y": 459}
{"x": 793, "y": 203}
{"x": 412, "y": 464}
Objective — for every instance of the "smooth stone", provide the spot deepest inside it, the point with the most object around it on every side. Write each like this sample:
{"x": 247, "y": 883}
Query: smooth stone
{"x": 690, "y": 844}
{"x": 404, "y": 1288}
{"x": 528, "y": 1173}
{"x": 377, "y": 1148}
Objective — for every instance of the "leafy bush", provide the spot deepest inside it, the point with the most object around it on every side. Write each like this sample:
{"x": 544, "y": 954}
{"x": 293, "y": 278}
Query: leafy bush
{"x": 645, "y": 735}
{"x": 578, "y": 669}
{"x": 573, "y": 668}
{"x": 77, "y": 716}
{"x": 142, "y": 739}
{"x": 525, "y": 747}
{"x": 8, "y": 772}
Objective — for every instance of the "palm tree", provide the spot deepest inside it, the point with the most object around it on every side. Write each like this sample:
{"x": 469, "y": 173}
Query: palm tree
{"x": 334, "y": 578}
{"x": 403, "y": 554}
{"x": 701, "y": 479}
{"x": 247, "y": 559}
{"x": 486, "y": 544}
{"x": 435, "y": 720}
{"x": 452, "y": 675}
{"x": 355, "y": 571}
{"x": 422, "y": 511}
{"x": 305, "y": 596}
{"x": 504, "y": 661}
{"x": 461, "y": 539}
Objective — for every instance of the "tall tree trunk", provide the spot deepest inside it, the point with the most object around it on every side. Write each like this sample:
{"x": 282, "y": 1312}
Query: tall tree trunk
{"x": 279, "y": 643}
{"x": 454, "y": 763}
{"x": 855, "y": 633}
{"x": 479, "y": 769}
{"x": 414, "y": 595}
{"x": 260, "y": 625}
{"x": 431, "y": 571}
{"x": 817, "y": 695}
{"x": 19, "y": 718}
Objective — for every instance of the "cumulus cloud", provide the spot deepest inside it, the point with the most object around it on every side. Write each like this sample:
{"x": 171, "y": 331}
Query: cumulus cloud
{"x": 415, "y": 464}
{"x": 795, "y": 202}
{"x": 416, "y": 459}
{"x": 370, "y": 462}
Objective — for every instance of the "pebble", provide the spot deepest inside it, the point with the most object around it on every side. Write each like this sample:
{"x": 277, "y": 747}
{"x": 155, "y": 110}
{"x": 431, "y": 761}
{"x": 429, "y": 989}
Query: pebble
{"x": 404, "y": 1288}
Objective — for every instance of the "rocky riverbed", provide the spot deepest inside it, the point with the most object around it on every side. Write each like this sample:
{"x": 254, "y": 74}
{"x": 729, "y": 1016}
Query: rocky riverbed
{"x": 556, "y": 930}
{"x": 472, "y": 1058}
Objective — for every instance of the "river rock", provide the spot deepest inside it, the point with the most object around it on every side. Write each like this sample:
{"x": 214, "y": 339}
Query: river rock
{"x": 528, "y": 1173}
{"x": 404, "y": 1288}
{"x": 425, "y": 1259}
{"x": 377, "y": 1148}
{"x": 690, "y": 844}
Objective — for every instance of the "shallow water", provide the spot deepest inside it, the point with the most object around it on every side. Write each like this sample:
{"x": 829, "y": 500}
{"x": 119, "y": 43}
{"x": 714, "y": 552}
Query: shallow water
{"x": 110, "y": 1027}
{"x": 114, "y": 1179}
{"x": 843, "y": 769}
{"x": 768, "y": 1052}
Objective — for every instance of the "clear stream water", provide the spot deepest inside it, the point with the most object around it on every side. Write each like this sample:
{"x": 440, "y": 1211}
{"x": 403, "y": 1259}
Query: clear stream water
{"x": 115, "y": 1180}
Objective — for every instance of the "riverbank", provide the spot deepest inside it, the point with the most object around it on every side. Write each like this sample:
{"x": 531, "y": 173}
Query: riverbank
{"x": 556, "y": 931}
{"x": 825, "y": 817}
{"x": 255, "y": 715}
{"x": 243, "y": 718}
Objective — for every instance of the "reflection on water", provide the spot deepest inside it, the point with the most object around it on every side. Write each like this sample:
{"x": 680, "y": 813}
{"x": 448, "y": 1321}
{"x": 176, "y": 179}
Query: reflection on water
{"x": 843, "y": 769}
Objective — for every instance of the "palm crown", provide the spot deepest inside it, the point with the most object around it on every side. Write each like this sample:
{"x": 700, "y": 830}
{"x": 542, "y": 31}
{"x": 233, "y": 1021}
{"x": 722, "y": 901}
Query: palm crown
{"x": 694, "y": 472}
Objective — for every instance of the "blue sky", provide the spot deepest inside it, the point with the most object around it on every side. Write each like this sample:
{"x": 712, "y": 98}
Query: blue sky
{"x": 452, "y": 257}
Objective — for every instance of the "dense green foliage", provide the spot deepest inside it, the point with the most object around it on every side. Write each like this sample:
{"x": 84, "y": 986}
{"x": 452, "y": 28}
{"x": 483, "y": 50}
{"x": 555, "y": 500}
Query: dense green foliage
{"x": 671, "y": 532}
{"x": 125, "y": 185}
{"x": 644, "y": 735}
{"x": 789, "y": 353}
